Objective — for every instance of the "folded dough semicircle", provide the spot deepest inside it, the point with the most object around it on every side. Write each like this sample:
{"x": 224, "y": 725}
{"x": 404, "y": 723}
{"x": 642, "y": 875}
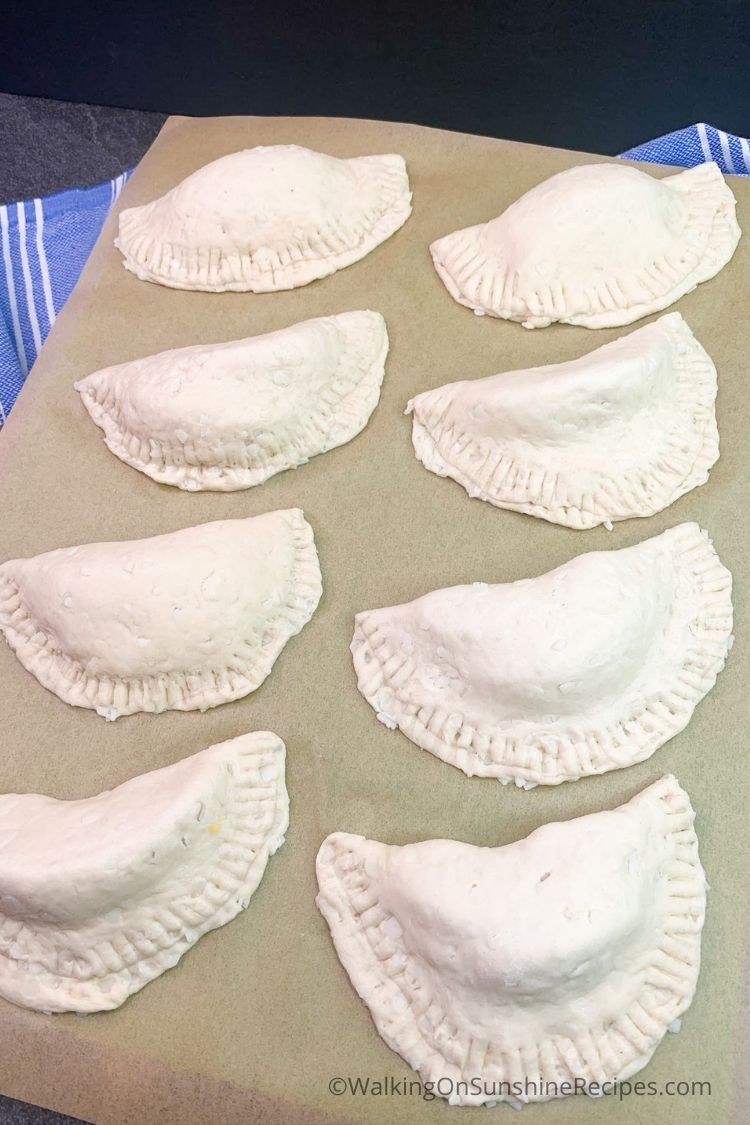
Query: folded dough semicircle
{"x": 229, "y": 416}
{"x": 266, "y": 218}
{"x": 598, "y": 245}
{"x": 183, "y": 621}
{"x": 588, "y": 668}
{"x": 563, "y": 956}
{"x": 623, "y": 431}
{"x": 100, "y": 896}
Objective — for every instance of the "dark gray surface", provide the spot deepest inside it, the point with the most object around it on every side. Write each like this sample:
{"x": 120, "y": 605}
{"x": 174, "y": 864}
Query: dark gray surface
{"x": 47, "y": 146}
{"x": 19, "y": 1113}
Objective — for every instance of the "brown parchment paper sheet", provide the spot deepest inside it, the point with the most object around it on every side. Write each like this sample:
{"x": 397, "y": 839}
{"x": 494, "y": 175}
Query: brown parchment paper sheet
{"x": 259, "y": 1016}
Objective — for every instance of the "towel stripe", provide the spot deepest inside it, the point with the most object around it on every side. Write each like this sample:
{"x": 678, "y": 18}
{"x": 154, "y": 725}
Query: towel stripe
{"x": 726, "y": 151}
{"x": 11, "y": 287}
{"x": 43, "y": 264}
{"x": 705, "y": 143}
{"x": 745, "y": 153}
{"x": 26, "y": 271}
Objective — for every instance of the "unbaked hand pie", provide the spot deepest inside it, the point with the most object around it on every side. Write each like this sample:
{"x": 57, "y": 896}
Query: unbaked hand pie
{"x": 621, "y": 432}
{"x": 598, "y": 245}
{"x": 267, "y": 218}
{"x": 183, "y": 621}
{"x": 501, "y": 974}
{"x": 99, "y": 896}
{"x": 588, "y": 668}
{"x": 229, "y": 416}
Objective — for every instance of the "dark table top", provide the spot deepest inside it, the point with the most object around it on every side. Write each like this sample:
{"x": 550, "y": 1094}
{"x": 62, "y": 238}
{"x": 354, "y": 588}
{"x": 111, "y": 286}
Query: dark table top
{"x": 47, "y": 146}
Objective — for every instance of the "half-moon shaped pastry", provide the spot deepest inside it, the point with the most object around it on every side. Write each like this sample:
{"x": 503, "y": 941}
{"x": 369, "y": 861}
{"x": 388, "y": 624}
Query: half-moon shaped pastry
{"x": 267, "y": 218}
{"x": 183, "y": 621}
{"x": 588, "y": 668}
{"x": 598, "y": 245}
{"x": 229, "y": 416}
{"x": 501, "y": 974}
{"x": 621, "y": 432}
{"x": 100, "y": 896}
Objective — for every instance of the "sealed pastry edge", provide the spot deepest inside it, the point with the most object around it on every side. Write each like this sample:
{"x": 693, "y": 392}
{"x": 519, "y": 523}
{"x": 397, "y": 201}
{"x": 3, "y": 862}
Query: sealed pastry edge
{"x": 459, "y": 253}
{"x": 356, "y": 407}
{"x": 533, "y": 490}
{"x": 562, "y": 755}
{"x": 198, "y": 268}
{"x": 383, "y": 986}
{"x": 152, "y": 693}
{"x": 118, "y": 972}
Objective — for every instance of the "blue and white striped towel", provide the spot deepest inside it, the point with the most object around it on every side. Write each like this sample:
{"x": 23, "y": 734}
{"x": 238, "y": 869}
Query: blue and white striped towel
{"x": 45, "y": 243}
{"x": 696, "y": 145}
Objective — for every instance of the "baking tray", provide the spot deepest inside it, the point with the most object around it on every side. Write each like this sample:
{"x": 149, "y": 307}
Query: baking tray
{"x": 259, "y": 1017}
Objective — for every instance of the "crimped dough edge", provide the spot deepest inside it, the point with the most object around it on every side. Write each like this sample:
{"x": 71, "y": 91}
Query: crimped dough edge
{"x": 379, "y": 972}
{"x": 69, "y": 680}
{"x": 570, "y": 750}
{"x": 318, "y": 254}
{"x": 112, "y": 972}
{"x": 181, "y": 464}
{"x": 475, "y": 280}
{"x": 520, "y": 486}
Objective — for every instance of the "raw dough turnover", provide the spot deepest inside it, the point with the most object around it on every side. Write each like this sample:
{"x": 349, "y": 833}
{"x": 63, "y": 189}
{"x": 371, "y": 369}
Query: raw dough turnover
{"x": 598, "y": 245}
{"x": 229, "y": 416}
{"x": 564, "y": 956}
{"x": 621, "y": 432}
{"x": 183, "y": 621}
{"x": 268, "y": 218}
{"x": 100, "y": 896}
{"x": 588, "y": 668}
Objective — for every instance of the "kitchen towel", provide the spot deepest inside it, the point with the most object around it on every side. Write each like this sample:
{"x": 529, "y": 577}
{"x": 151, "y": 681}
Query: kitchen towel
{"x": 45, "y": 243}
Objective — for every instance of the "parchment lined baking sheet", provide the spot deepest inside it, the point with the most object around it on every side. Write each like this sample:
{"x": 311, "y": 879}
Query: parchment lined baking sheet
{"x": 259, "y": 1017}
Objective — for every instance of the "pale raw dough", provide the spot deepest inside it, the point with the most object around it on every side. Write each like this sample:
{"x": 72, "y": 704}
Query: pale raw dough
{"x": 267, "y": 218}
{"x": 183, "y": 621}
{"x": 598, "y": 245}
{"x": 621, "y": 432}
{"x": 588, "y": 668}
{"x": 100, "y": 896}
{"x": 563, "y": 956}
{"x": 229, "y": 416}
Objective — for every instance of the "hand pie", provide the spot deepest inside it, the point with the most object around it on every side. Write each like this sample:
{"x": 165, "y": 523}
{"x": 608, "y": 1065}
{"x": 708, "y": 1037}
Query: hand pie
{"x": 100, "y": 896}
{"x": 599, "y": 245}
{"x": 588, "y": 668}
{"x": 268, "y": 218}
{"x": 621, "y": 432}
{"x": 183, "y": 621}
{"x": 229, "y": 416}
{"x": 506, "y": 972}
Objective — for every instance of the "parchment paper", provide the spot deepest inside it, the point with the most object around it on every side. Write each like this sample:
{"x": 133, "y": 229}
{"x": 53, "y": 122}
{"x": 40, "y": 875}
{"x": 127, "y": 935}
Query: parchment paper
{"x": 259, "y": 1016}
